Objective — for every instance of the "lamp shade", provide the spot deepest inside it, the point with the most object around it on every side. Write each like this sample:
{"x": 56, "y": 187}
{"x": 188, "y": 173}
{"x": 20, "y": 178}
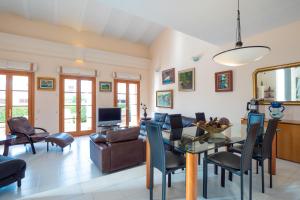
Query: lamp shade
{"x": 241, "y": 55}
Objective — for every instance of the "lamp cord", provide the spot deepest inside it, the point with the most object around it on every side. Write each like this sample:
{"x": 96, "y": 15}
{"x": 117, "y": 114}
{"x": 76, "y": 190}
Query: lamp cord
{"x": 239, "y": 42}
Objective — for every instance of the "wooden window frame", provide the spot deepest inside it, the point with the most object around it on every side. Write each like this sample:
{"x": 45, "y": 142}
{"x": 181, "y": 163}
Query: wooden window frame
{"x": 78, "y": 132}
{"x": 116, "y": 81}
{"x": 31, "y": 94}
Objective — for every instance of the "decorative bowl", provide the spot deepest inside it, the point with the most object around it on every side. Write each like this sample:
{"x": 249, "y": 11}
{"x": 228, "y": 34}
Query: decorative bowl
{"x": 211, "y": 129}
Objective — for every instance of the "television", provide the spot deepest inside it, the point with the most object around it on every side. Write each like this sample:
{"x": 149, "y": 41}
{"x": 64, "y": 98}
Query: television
{"x": 109, "y": 116}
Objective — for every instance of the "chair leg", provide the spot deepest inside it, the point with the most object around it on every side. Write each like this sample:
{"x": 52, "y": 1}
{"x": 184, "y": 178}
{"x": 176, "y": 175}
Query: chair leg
{"x": 163, "y": 197}
{"x": 47, "y": 146}
{"x": 199, "y": 159}
{"x": 250, "y": 184}
{"x": 151, "y": 182}
{"x": 205, "y": 175}
{"x": 222, "y": 177}
{"x": 262, "y": 177}
{"x": 216, "y": 167}
{"x": 230, "y": 176}
{"x": 270, "y": 170}
{"x": 19, "y": 182}
{"x": 32, "y": 147}
{"x": 242, "y": 186}
{"x": 257, "y": 167}
{"x": 169, "y": 179}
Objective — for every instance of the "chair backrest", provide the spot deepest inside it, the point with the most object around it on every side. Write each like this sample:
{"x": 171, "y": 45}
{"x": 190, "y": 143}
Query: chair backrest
{"x": 20, "y": 125}
{"x": 254, "y": 118}
{"x": 157, "y": 148}
{"x": 175, "y": 121}
{"x": 200, "y": 116}
{"x": 247, "y": 152}
{"x": 268, "y": 139}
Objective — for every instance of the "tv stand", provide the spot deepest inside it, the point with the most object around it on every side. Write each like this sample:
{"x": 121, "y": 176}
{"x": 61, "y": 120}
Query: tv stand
{"x": 107, "y": 127}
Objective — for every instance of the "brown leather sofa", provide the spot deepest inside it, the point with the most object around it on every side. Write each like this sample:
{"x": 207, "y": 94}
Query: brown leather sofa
{"x": 117, "y": 149}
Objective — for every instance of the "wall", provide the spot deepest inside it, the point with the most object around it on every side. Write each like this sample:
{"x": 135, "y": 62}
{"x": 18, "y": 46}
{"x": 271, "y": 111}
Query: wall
{"x": 47, "y": 103}
{"x": 16, "y": 25}
{"x": 175, "y": 49}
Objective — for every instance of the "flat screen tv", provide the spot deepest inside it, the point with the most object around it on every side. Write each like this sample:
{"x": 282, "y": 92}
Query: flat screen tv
{"x": 109, "y": 116}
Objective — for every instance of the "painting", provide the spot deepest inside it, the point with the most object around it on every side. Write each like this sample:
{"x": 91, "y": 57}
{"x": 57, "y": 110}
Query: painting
{"x": 168, "y": 76}
{"x": 46, "y": 83}
{"x": 164, "y": 99}
{"x": 105, "y": 86}
{"x": 186, "y": 80}
{"x": 223, "y": 81}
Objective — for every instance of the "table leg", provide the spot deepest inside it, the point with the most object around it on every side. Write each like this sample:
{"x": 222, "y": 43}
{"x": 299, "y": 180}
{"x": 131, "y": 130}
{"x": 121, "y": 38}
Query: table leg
{"x": 147, "y": 164}
{"x": 191, "y": 176}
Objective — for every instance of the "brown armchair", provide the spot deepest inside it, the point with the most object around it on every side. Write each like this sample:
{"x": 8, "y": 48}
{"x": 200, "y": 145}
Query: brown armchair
{"x": 26, "y": 134}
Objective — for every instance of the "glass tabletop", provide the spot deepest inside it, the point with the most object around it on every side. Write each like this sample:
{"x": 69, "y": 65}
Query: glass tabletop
{"x": 195, "y": 140}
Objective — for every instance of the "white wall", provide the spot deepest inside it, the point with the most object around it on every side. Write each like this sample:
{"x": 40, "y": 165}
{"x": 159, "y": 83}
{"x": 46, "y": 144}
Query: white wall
{"x": 47, "y": 103}
{"x": 175, "y": 49}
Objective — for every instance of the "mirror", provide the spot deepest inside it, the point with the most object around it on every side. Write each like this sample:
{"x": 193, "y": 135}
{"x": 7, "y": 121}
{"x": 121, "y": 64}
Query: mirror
{"x": 278, "y": 83}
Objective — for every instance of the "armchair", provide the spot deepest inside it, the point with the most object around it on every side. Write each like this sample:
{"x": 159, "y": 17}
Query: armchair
{"x": 26, "y": 134}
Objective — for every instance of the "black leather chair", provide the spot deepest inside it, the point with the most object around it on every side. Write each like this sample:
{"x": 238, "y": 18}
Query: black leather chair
{"x": 176, "y": 121}
{"x": 200, "y": 116}
{"x": 26, "y": 134}
{"x": 233, "y": 163}
{"x": 165, "y": 161}
{"x": 263, "y": 151}
{"x": 11, "y": 170}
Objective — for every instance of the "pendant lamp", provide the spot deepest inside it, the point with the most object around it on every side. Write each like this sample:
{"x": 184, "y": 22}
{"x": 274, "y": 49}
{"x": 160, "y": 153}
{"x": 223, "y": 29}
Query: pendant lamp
{"x": 241, "y": 55}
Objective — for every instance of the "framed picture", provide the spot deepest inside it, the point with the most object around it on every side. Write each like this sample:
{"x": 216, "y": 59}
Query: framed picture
{"x": 164, "y": 99}
{"x": 168, "y": 76}
{"x": 46, "y": 83}
{"x": 223, "y": 81}
{"x": 297, "y": 88}
{"x": 186, "y": 80}
{"x": 105, "y": 86}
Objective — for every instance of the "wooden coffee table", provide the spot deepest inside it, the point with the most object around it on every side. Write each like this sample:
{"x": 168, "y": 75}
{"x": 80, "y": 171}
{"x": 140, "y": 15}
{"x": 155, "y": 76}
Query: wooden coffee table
{"x": 4, "y": 140}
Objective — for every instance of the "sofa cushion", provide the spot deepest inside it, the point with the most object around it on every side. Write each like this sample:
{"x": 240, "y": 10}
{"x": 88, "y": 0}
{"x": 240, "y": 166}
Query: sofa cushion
{"x": 188, "y": 121}
{"x": 121, "y": 135}
{"x": 11, "y": 166}
{"x": 160, "y": 117}
{"x": 98, "y": 138}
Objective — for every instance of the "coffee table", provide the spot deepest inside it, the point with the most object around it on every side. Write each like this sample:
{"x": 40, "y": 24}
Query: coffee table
{"x": 4, "y": 140}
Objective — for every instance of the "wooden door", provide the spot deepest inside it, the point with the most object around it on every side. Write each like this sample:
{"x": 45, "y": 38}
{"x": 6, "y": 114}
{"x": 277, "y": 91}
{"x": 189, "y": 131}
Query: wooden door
{"x": 77, "y": 105}
{"x": 127, "y": 97}
{"x": 16, "y": 97}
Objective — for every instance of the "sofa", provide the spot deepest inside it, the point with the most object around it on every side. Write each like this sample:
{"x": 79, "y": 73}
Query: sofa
{"x": 12, "y": 170}
{"x": 119, "y": 149}
{"x": 164, "y": 121}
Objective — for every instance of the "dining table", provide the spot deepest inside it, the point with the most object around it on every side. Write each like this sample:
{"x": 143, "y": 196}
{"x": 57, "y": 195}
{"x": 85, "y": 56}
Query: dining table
{"x": 192, "y": 141}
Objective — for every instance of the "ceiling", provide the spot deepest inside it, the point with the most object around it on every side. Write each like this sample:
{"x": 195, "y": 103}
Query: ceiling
{"x": 213, "y": 20}
{"x": 86, "y": 15}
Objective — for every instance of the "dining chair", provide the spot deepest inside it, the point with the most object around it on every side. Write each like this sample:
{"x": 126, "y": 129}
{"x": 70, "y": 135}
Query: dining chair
{"x": 233, "y": 163}
{"x": 264, "y": 151}
{"x": 253, "y": 118}
{"x": 175, "y": 121}
{"x": 200, "y": 116}
{"x": 165, "y": 161}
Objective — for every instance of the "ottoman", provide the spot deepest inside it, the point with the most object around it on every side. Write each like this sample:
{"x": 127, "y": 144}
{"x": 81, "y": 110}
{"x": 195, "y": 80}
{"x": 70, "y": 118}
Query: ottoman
{"x": 60, "y": 139}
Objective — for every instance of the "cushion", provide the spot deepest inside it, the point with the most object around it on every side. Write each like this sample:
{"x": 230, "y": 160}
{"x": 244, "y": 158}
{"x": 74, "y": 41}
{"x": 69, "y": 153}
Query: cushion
{"x": 98, "y": 138}
{"x": 121, "y": 135}
{"x": 10, "y": 166}
{"x": 160, "y": 117}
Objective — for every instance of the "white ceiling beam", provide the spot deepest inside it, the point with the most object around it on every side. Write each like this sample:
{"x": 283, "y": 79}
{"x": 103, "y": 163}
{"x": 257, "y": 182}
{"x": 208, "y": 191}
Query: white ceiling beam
{"x": 25, "y": 6}
{"x": 55, "y": 19}
{"x": 82, "y": 14}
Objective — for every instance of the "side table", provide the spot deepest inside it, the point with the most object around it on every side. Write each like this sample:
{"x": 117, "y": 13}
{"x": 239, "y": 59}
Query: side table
{"x": 4, "y": 140}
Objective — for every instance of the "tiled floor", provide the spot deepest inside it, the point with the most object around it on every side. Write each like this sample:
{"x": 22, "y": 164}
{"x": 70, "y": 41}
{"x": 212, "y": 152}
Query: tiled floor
{"x": 130, "y": 184}
{"x": 53, "y": 169}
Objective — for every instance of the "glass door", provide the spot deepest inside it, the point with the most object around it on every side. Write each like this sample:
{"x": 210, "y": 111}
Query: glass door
{"x": 127, "y": 97}
{"x": 16, "y": 97}
{"x": 77, "y": 100}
